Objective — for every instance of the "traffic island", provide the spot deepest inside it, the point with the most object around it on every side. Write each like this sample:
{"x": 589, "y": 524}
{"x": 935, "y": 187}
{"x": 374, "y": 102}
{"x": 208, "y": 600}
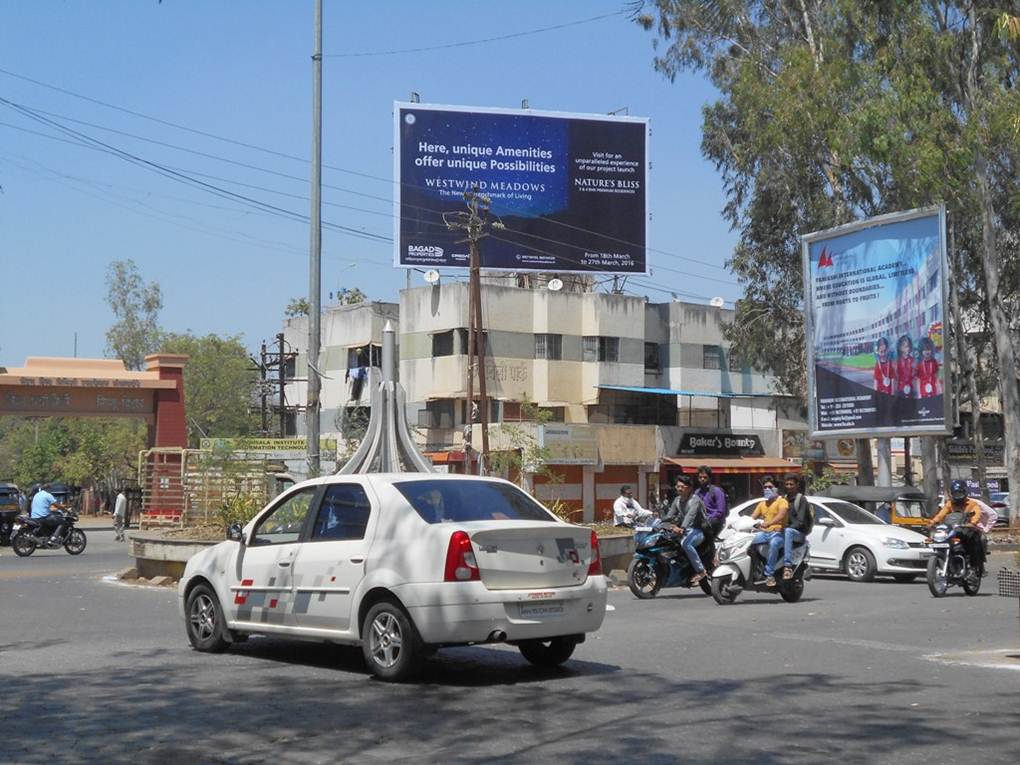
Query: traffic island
{"x": 159, "y": 554}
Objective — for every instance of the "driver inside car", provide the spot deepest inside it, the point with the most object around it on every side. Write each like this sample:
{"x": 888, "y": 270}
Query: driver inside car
{"x": 969, "y": 531}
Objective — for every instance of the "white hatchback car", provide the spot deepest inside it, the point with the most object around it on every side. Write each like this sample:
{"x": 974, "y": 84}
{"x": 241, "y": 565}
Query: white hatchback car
{"x": 401, "y": 564}
{"x": 848, "y": 539}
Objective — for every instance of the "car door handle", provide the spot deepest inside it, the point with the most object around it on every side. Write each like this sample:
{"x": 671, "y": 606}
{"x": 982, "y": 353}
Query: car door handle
{"x": 356, "y": 561}
{"x": 283, "y": 563}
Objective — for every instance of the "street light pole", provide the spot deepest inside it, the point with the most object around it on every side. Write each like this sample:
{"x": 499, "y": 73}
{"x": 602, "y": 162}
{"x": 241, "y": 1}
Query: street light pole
{"x": 315, "y": 256}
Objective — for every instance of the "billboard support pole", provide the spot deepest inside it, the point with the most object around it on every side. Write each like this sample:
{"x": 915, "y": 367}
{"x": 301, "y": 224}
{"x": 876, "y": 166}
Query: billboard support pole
{"x": 315, "y": 257}
{"x": 884, "y": 461}
{"x": 929, "y": 470}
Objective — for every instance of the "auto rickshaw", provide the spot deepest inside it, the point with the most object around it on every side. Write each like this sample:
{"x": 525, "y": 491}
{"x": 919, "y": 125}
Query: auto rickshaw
{"x": 907, "y": 506}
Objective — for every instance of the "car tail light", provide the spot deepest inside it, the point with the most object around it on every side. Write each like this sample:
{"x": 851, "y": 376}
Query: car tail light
{"x": 595, "y": 567}
{"x": 461, "y": 565}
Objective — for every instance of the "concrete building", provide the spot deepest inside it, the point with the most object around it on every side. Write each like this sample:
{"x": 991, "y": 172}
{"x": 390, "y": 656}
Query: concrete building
{"x": 633, "y": 392}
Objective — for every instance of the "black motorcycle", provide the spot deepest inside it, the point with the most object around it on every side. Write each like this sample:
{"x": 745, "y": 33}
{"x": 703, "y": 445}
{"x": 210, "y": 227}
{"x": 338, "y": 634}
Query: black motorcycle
{"x": 29, "y": 535}
{"x": 950, "y": 565}
{"x": 659, "y": 561}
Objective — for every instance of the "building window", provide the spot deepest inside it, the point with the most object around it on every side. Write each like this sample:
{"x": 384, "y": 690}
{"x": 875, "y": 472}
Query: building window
{"x": 652, "y": 363}
{"x": 596, "y": 348}
{"x": 290, "y": 366}
{"x": 555, "y": 413}
{"x": 710, "y": 357}
{"x": 511, "y": 411}
{"x": 549, "y": 347}
{"x": 364, "y": 356}
{"x": 442, "y": 344}
{"x": 289, "y": 424}
{"x": 436, "y": 414}
{"x": 734, "y": 362}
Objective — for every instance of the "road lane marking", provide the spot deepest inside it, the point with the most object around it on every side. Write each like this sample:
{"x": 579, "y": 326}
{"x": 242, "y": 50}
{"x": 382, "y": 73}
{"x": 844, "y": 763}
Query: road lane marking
{"x": 855, "y": 642}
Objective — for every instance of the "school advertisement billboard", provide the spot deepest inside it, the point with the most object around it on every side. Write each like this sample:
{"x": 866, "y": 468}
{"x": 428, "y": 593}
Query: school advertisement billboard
{"x": 571, "y": 191}
{"x": 875, "y": 300}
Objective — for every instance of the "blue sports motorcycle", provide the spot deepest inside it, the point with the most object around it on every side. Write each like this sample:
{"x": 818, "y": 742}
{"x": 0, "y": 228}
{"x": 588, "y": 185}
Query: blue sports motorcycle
{"x": 659, "y": 561}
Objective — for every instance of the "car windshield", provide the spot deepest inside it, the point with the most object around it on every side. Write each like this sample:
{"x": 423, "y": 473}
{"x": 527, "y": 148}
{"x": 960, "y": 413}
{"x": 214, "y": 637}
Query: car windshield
{"x": 998, "y": 496}
{"x": 460, "y": 501}
{"x": 852, "y": 513}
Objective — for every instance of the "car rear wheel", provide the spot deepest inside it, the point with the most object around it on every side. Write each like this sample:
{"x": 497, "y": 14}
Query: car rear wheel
{"x": 391, "y": 645}
{"x": 205, "y": 623}
{"x": 548, "y": 653}
{"x": 859, "y": 564}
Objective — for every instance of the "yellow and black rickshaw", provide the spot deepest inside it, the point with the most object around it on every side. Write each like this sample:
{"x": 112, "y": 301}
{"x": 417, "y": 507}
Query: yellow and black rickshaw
{"x": 904, "y": 506}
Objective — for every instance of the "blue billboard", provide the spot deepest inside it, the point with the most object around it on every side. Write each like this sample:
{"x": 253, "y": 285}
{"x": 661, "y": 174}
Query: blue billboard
{"x": 877, "y": 351}
{"x": 570, "y": 190}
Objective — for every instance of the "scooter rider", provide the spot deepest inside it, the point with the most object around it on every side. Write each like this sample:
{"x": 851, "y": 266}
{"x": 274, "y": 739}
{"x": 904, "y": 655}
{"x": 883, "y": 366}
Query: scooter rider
{"x": 687, "y": 514}
{"x": 626, "y": 510}
{"x": 800, "y": 519}
{"x": 772, "y": 510}
{"x": 46, "y": 510}
{"x": 970, "y": 532}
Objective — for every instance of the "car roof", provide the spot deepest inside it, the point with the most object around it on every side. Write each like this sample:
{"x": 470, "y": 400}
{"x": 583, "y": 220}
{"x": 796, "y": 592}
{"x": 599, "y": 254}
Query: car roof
{"x": 875, "y": 493}
{"x": 391, "y": 478}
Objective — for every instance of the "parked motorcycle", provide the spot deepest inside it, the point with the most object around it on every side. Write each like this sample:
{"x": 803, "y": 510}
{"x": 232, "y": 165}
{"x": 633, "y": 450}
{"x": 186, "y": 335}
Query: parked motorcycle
{"x": 29, "y": 535}
{"x": 950, "y": 565}
{"x": 660, "y": 562}
{"x": 742, "y": 567}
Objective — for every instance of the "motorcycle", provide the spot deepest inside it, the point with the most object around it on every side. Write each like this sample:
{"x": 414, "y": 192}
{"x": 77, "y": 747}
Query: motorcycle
{"x": 659, "y": 561}
{"x": 742, "y": 567}
{"x": 950, "y": 565}
{"x": 29, "y": 535}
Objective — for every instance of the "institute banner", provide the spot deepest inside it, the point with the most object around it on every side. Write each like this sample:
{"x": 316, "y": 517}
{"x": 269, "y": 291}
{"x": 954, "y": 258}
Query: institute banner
{"x": 570, "y": 190}
{"x": 875, "y": 299}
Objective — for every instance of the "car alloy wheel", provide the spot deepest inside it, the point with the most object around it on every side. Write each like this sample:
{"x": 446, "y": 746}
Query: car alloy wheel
{"x": 205, "y": 626}
{"x": 860, "y": 565}
{"x": 385, "y": 640}
{"x": 203, "y": 617}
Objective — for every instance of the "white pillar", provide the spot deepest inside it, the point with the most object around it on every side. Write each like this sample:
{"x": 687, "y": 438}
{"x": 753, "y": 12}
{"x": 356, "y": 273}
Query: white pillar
{"x": 884, "y": 462}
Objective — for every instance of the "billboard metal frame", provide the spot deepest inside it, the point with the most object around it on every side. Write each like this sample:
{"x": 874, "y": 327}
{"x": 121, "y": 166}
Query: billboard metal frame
{"x": 881, "y": 220}
{"x": 398, "y": 183}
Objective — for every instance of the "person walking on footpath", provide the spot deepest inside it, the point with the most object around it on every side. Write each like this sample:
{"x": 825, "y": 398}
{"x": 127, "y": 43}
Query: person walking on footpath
{"x": 119, "y": 515}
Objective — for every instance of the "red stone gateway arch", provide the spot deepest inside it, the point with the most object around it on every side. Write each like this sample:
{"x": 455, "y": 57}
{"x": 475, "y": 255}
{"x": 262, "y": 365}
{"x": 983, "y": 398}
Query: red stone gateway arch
{"x": 62, "y": 387}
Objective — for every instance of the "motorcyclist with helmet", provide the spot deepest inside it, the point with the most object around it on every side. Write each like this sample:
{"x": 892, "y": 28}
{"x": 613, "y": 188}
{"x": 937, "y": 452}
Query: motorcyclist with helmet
{"x": 969, "y": 531}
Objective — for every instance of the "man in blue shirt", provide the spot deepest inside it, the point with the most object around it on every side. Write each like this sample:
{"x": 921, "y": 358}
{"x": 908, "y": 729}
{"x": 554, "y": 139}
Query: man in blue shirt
{"x": 44, "y": 510}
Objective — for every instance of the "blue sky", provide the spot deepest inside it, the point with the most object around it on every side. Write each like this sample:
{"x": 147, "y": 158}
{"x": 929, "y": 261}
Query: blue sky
{"x": 242, "y": 70}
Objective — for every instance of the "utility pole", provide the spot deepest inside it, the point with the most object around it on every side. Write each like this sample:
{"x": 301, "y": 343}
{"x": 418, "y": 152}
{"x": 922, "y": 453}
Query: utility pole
{"x": 474, "y": 223}
{"x": 314, "y": 260}
{"x": 281, "y": 380}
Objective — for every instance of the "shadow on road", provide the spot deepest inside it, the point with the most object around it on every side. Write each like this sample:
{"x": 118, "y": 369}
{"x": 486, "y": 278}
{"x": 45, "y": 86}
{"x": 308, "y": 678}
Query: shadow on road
{"x": 272, "y": 701}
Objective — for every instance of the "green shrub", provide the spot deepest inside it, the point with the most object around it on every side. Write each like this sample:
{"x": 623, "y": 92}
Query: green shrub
{"x": 240, "y": 508}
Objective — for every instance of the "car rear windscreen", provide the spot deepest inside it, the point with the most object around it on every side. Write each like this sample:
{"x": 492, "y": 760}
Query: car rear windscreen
{"x": 461, "y": 501}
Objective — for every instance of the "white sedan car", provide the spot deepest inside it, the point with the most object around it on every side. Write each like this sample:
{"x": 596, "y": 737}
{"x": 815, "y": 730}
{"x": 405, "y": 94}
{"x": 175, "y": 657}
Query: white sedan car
{"x": 848, "y": 539}
{"x": 401, "y": 564}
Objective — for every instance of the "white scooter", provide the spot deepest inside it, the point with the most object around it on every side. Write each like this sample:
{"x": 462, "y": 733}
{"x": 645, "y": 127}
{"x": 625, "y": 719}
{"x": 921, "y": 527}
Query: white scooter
{"x": 742, "y": 566}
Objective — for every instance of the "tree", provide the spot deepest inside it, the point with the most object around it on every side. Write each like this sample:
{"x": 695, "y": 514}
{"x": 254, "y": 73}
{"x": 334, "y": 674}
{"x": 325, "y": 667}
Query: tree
{"x": 219, "y": 385}
{"x": 297, "y": 307}
{"x": 829, "y": 111}
{"x": 135, "y": 306}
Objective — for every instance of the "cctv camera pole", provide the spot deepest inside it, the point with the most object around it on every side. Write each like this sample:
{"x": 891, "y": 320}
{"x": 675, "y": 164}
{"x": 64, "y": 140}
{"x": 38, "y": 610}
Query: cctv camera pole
{"x": 315, "y": 257}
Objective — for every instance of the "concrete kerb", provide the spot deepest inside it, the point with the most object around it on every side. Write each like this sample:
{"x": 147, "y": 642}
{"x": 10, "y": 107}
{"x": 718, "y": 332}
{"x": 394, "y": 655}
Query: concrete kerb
{"x": 157, "y": 556}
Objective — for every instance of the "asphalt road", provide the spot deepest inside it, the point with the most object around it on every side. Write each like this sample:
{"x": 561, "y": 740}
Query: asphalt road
{"x": 95, "y": 671}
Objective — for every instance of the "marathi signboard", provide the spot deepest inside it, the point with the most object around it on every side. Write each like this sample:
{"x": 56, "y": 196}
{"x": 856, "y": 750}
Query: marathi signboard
{"x": 571, "y": 190}
{"x": 875, "y": 304}
{"x": 720, "y": 444}
{"x": 569, "y": 444}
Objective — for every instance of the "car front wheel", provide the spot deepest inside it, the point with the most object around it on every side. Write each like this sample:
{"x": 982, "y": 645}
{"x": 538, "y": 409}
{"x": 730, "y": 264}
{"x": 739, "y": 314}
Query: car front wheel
{"x": 205, "y": 622}
{"x": 391, "y": 645}
{"x": 859, "y": 564}
{"x": 548, "y": 653}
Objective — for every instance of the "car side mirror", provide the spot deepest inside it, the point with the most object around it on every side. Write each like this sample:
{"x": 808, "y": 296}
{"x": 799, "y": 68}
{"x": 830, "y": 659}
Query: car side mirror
{"x": 825, "y": 522}
{"x": 234, "y": 533}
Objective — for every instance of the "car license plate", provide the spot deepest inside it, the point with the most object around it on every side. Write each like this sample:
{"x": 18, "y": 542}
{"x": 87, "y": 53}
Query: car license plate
{"x": 940, "y": 546}
{"x": 547, "y": 610}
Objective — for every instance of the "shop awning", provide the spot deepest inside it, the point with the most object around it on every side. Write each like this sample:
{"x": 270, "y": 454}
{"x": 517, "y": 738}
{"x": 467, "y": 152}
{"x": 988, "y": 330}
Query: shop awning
{"x": 444, "y": 458}
{"x": 753, "y": 465}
